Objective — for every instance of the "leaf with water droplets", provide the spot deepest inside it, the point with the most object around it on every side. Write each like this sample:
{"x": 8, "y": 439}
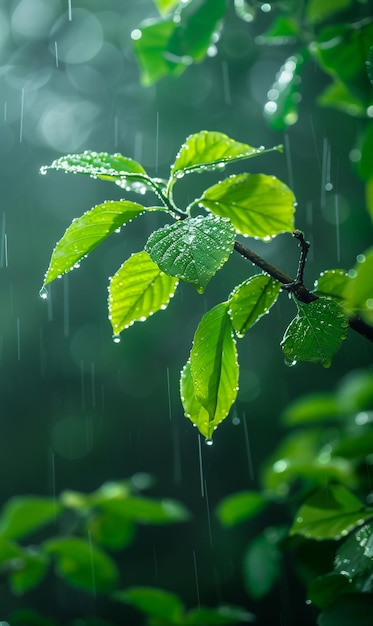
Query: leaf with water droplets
{"x": 251, "y": 300}
{"x": 193, "y": 249}
{"x": 87, "y": 232}
{"x": 332, "y": 283}
{"x": 209, "y": 381}
{"x": 113, "y": 167}
{"x": 257, "y": 205}
{"x": 316, "y": 333}
{"x": 329, "y": 513}
{"x": 137, "y": 290}
{"x": 211, "y": 150}
{"x": 354, "y": 559}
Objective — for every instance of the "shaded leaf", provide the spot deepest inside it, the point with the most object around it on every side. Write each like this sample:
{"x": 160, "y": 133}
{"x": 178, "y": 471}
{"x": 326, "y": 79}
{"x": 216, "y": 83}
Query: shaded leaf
{"x": 28, "y": 570}
{"x": 356, "y": 446}
{"x": 356, "y": 609}
{"x": 87, "y": 232}
{"x": 154, "y": 602}
{"x": 219, "y": 616}
{"x": 316, "y": 333}
{"x": 240, "y": 507}
{"x": 137, "y": 290}
{"x": 365, "y": 167}
{"x": 23, "y": 515}
{"x": 329, "y": 514}
{"x": 83, "y": 565}
{"x": 331, "y": 284}
{"x": 359, "y": 291}
{"x": 146, "y": 510}
{"x": 338, "y": 96}
{"x": 210, "y": 150}
{"x": 312, "y": 408}
{"x": 110, "y": 530}
{"x": 251, "y": 300}
{"x": 192, "y": 249}
{"x": 210, "y": 380}
{"x": 319, "y": 10}
{"x": 323, "y": 590}
{"x": 262, "y": 563}
{"x": 257, "y": 205}
{"x": 28, "y": 617}
{"x": 354, "y": 558}
{"x": 355, "y": 392}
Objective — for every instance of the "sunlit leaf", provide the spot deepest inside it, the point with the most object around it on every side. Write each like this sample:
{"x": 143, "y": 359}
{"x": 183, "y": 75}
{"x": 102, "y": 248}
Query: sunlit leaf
{"x": 354, "y": 558}
{"x": 332, "y": 283}
{"x": 359, "y": 291}
{"x": 209, "y": 381}
{"x": 319, "y": 10}
{"x": 262, "y": 563}
{"x": 154, "y": 602}
{"x": 283, "y": 30}
{"x": 87, "y": 232}
{"x": 192, "y": 249}
{"x": 150, "y": 43}
{"x": 23, "y": 515}
{"x": 240, "y": 507}
{"x": 114, "y": 167}
{"x": 146, "y": 510}
{"x": 323, "y": 590}
{"x": 313, "y": 407}
{"x": 251, "y": 300}
{"x": 329, "y": 514}
{"x": 218, "y": 617}
{"x": 281, "y": 110}
{"x": 257, "y": 205}
{"x": 166, "y": 6}
{"x": 209, "y": 150}
{"x": 137, "y": 290}
{"x": 30, "y": 569}
{"x": 82, "y": 564}
{"x": 356, "y": 609}
{"x": 316, "y": 333}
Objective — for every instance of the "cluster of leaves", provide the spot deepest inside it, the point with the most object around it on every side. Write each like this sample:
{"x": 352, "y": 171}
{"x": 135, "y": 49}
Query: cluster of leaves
{"x": 99, "y": 523}
{"x": 336, "y": 35}
{"x": 193, "y": 248}
{"x": 320, "y": 475}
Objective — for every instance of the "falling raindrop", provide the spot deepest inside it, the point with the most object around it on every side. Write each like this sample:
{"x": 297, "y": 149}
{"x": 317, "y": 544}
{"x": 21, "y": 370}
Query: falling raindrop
{"x": 226, "y": 83}
{"x": 196, "y": 577}
{"x": 66, "y": 308}
{"x": 337, "y": 225}
{"x": 22, "y": 115}
{"x": 200, "y": 466}
{"x": 116, "y": 338}
{"x": 43, "y": 293}
{"x": 56, "y": 52}
{"x": 18, "y": 340}
{"x": 70, "y": 10}
{"x": 248, "y": 450}
{"x": 209, "y": 442}
{"x": 5, "y": 111}
{"x": 157, "y": 143}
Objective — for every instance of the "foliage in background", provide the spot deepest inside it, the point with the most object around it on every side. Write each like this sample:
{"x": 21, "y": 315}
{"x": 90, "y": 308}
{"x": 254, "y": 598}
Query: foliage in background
{"x": 336, "y": 35}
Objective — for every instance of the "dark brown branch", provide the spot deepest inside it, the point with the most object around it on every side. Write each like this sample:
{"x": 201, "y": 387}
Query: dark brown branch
{"x": 297, "y": 288}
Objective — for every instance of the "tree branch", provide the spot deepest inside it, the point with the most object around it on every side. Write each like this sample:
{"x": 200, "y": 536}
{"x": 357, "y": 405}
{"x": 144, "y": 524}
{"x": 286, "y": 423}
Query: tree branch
{"x": 297, "y": 288}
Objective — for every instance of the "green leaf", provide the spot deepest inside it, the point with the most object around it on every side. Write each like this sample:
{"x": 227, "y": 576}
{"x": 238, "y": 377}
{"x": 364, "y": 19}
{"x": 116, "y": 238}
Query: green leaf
{"x": 251, "y": 300}
{"x": 28, "y": 617}
{"x": 354, "y": 559}
{"x": 218, "y": 617}
{"x": 323, "y": 590}
{"x": 83, "y": 565}
{"x": 283, "y": 30}
{"x": 137, "y": 290}
{"x": 115, "y": 167}
{"x": 262, "y": 564}
{"x": 313, "y": 407}
{"x": 193, "y": 249}
{"x": 329, "y": 514}
{"x": 319, "y": 10}
{"x": 87, "y": 232}
{"x": 359, "y": 291}
{"x": 356, "y": 447}
{"x": 209, "y": 150}
{"x": 365, "y": 166}
{"x": 154, "y": 602}
{"x": 257, "y": 205}
{"x": 240, "y": 507}
{"x": 209, "y": 384}
{"x": 331, "y": 284}
{"x": 147, "y": 511}
{"x": 28, "y": 571}
{"x": 166, "y": 6}
{"x": 338, "y": 96}
{"x": 23, "y": 515}
{"x": 281, "y": 110}
{"x": 316, "y": 333}
{"x": 110, "y": 530}
{"x": 356, "y": 609}
{"x": 355, "y": 392}
{"x": 150, "y": 46}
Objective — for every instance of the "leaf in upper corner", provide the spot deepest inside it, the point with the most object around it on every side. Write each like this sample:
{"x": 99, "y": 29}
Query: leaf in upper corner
{"x": 23, "y": 515}
{"x": 354, "y": 558}
{"x": 329, "y": 513}
{"x": 251, "y": 300}
{"x": 154, "y": 602}
{"x": 257, "y": 205}
{"x": 114, "y": 167}
{"x": 150, "y": 45}
{"x": 319, "y": 10}
{"x": 87, "y": 232}
{"x": 166, "y": 6}
{"x": 83, "y": 565}
{"x": 137, "y": 290}
{"x": 358, "y": 293}
{"x": 240, "y": 507}
{"x": 316, "y": 333}
{"x": 192, "y": 249}
{"x": 209, "y": 381}
{"x": 210, "y": 150}
{"x": 331, "y": 284}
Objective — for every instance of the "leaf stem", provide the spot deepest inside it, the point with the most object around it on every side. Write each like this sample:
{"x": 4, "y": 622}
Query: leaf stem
{"x": 297, "y": 288}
